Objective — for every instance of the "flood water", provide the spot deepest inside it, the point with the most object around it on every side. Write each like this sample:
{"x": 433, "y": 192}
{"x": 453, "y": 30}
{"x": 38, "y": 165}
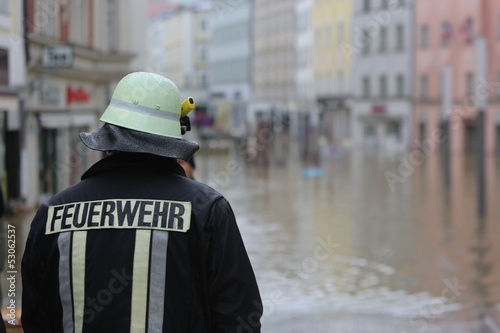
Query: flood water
{"x": 337, "y": 247}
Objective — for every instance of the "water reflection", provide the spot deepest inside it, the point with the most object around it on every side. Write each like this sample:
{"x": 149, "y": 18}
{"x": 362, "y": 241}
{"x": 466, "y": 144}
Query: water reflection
{"x": 348, "y": 252}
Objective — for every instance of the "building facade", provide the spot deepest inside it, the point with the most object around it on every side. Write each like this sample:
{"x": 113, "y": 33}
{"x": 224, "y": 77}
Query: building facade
{"x": 382, "y": 70}
{"x": 331, "y": 24}
{"x": 183, "y": 37}
{"x": 12, "y": 80}
{"x": 452, "y": 79}
{"x": 231, "y": 61}
{"x": 273, "y": 52}
{"x": 78, "y": 50}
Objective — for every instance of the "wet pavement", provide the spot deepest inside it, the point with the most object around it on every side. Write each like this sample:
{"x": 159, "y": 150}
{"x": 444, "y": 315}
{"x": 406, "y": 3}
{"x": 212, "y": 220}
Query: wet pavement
{"x": 361, "y": 241}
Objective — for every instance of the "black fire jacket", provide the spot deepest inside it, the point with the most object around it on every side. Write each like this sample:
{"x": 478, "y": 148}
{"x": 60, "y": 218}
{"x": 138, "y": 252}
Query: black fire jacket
{"x": 137, "y": 247}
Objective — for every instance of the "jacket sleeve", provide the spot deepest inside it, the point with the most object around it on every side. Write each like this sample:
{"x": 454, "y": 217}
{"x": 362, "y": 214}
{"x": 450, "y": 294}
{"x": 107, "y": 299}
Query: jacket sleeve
{"x": 32, "y": 270}
{"x": 234, "y": 297}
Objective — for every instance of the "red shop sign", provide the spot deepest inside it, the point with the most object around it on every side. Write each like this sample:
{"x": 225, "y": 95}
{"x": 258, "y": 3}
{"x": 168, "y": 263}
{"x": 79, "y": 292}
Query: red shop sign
{"x": 378, "y": 108}
{"x": 79, "y": 95}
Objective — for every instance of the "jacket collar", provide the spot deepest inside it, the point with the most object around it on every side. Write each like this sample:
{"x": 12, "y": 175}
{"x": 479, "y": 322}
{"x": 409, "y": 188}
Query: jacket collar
{"x": 134, "y": 160}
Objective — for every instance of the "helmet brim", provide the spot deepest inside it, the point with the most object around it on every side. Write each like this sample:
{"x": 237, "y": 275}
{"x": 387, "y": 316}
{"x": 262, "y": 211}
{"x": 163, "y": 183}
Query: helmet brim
{"x": 112, "y": 137}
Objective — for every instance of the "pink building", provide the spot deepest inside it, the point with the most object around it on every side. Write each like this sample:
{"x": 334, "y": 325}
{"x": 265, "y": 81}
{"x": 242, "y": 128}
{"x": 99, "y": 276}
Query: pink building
{"x": 447, "y": 85}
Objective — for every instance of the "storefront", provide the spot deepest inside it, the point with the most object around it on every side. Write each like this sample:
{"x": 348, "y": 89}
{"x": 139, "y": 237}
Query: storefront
{"x": 58, "y": 111}
{"x": 10, "y": 127}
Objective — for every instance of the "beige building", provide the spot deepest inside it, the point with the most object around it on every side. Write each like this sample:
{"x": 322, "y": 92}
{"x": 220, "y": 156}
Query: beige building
{"x": 77, "y": 52}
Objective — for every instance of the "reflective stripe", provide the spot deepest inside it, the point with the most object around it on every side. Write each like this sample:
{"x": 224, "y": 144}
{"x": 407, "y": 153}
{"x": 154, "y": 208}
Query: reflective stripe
{"x": 78, "y": 270}
{"x": 64, "y": 244}
{"x": 157, "y": 281}
{"x": 145, "y": 110}
{"x": 140, "y": 281}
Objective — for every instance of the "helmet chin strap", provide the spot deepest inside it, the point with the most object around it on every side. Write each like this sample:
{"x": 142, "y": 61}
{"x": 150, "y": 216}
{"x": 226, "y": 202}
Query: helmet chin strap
{"x": 185, "y": 125}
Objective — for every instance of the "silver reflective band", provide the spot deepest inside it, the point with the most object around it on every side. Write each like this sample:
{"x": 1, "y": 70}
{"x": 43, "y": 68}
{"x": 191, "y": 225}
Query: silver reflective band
{"x": 145, "y": 110}
{"x": 64, "y": 244}
{"x": 157, "y": 277}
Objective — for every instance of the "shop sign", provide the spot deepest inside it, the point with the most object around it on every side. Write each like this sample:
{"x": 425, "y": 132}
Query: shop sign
{"x": 50, "y": 95}
{"x": 78, "y": 95}
{"x": 378, "y": 109}
{"x": 57, "y": 56}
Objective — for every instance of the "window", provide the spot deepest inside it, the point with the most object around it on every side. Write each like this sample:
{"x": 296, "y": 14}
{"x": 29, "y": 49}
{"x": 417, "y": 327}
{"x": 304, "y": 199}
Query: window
{"x": 112, "y": 25}
{"x": 423, "y": 87}
{"x": 469, "y": 84}
{"x": 203, "y": 53}
{"x": 204, "y": 80}
{"x": 340, "y": 33}
{"x": 446, "y": 33}
{"x": 400, "y": 86}
{"x": 5, "y": 6}
{"x": 383, "y": 39}
{"x": 497, "y": 84}
{"x": 383, "y": 86}
{"x": 4, "y": 67}
{"x": 468, "y": 31}
{"x": 203, "y": 25}
{"x": 366, "y": 6}
{"x": 366, "y": 42}
{"x": 340, "y": 81}
{"x": 498, "y": 27}
{"x": 400, "y": 37}
{"x": 366, "y": 87}
{"x": 424, "y": 36}
{"x": 385, "y": 4}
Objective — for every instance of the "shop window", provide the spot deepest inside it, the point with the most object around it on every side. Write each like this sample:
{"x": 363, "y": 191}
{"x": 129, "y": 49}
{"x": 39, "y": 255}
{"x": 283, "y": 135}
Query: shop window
{"x": 369, "y": 131}
{"x": 394, "y": 130}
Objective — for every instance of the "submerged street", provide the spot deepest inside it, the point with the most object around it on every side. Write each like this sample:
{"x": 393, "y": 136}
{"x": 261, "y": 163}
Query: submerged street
{"x": 336, "y": 247}
{"x": 342, "y": 250}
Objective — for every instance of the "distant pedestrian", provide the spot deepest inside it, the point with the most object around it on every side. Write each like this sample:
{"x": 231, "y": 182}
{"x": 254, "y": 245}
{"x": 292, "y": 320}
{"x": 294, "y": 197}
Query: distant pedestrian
{"x": 136, "y": 246}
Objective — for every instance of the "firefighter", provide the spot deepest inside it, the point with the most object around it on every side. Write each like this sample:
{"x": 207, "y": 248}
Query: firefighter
{"x": 136, "y": 246}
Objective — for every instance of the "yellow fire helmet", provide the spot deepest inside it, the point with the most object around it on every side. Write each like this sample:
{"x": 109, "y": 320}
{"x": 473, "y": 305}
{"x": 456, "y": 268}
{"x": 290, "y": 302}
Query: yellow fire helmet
{"x": 144, "y": 115}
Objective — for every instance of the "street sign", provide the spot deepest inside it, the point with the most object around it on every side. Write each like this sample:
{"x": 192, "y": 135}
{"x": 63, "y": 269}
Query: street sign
{"x": 56, "y": 56}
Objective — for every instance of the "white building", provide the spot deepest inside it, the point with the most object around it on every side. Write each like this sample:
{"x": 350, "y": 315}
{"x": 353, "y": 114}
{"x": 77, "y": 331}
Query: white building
{"x": 12, "y": 80}
{"x": 382, "y": 48}
{"x": 178, "y": 48}
{"x": 231, "y": 59}
{"x": 104, "y": 41}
